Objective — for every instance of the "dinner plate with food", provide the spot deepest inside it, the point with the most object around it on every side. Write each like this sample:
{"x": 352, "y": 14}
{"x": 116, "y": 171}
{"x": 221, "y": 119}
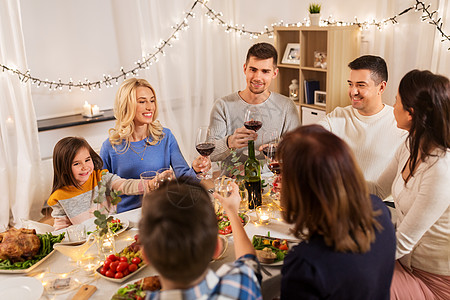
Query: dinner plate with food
{"x": 117, "y": 226}
{"x": 224, "y": 223}
{"x": 136, "y": 289}
{"x": 22, "y": 250}
{"x": 123, "y": 265}
{"x": 271, "y": 250}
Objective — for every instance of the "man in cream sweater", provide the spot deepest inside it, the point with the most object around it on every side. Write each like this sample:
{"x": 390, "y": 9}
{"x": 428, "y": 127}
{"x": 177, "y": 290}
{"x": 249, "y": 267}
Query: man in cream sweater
{"x": 367, "y": 125}
{"x": 277, "y": 111}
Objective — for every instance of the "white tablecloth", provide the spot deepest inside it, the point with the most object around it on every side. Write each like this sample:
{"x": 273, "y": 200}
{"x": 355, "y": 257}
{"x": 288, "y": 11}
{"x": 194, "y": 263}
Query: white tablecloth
{"x": 59, "y": 263}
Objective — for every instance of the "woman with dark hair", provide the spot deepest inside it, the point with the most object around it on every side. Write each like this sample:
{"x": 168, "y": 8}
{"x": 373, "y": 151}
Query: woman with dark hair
{"x": 349, "y": 242}
{"x": 419, "y": 180}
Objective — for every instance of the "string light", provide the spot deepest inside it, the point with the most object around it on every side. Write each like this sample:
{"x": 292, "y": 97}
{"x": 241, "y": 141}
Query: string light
{"x": 216, "y": 17}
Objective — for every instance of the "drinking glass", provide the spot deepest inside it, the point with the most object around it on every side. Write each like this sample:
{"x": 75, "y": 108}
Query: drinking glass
{"x": 223, "y": 187}
{"x": 243, "y": 205}
{"x": 204, "y": 143}
{"x": 148, "y": 182}
{"x": 164, "y": 175}
{"x": 76, "y": 233}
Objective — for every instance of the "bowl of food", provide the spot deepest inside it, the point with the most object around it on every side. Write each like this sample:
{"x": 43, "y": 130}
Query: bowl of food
{"x": 271, "y": 250}
{"x": 223, "y": 222}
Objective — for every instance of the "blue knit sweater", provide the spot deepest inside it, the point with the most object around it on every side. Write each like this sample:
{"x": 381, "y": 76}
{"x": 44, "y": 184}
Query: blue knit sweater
{"x": 128, "y": 165}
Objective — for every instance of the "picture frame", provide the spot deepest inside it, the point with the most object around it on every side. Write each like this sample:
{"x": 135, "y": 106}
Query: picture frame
{"x": 320, "y": 98}
{"x": 291, "y": 54}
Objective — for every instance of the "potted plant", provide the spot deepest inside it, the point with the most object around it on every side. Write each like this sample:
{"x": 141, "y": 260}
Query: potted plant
{"x": 314, "y": 14}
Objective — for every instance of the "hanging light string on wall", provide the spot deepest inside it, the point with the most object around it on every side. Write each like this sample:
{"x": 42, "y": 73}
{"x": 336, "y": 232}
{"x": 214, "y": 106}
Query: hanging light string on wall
{"x": 215, "y": 17}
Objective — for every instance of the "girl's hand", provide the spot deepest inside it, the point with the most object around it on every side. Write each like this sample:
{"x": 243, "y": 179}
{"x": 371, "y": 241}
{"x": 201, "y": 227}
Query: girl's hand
{"x": 201, "y": 164}
{"x": 231, "y": 203}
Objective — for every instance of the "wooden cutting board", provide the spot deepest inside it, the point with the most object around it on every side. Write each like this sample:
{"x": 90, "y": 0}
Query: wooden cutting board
{"x": 84, "y": 292}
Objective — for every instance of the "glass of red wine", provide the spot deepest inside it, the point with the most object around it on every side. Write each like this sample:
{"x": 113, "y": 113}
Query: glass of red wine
{"x": 252, "y": 121}
{"x": 205, "y": 146}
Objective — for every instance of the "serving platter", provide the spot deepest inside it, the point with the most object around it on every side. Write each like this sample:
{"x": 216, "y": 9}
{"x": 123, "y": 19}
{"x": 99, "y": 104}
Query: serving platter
{"x": 20, "y": 271}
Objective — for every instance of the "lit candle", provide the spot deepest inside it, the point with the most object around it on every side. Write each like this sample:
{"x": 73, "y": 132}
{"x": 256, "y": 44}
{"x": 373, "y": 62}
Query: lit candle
{"x": 95, "y": 110}
{"x": 87, "y": 109}
{"x": 264, "y": 214}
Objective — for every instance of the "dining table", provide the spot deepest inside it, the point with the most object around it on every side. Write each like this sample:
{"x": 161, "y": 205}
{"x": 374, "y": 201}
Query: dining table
{"x": 57, "y": 263}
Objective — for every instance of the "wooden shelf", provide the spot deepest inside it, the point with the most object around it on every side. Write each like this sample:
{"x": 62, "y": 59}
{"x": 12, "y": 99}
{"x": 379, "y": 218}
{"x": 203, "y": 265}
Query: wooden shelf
{"x": 341, "y": 45}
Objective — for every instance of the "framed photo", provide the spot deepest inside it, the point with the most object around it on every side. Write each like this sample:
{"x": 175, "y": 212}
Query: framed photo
{"x": 320, "y": 98}
{"x": 291, "y": 54}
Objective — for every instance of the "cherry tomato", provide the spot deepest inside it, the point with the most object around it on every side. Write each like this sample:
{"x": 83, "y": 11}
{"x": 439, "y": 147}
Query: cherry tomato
{"x": 123, "y": 265}
{"x": 112, "y": 257}
{"x": 110, "y": 274}
{"x": 136, "y": 260}
{"x": 123, "y": 258}
{"x": 132, "y": 268}
{"x": 126, "y": 272}
{"x": 113, "y": 266}
{"x": 103, "y": 271}
{"x": 118, "y": 275}
{"x": 106, "y": 264}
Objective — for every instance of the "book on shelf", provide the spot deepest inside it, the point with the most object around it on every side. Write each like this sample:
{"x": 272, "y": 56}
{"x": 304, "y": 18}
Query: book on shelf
{"x": 310, "y": 87}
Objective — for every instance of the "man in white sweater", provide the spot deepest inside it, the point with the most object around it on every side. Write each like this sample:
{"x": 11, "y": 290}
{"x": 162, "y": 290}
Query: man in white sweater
{"x": 367, "y": 125}
{"x": 277, "y": 111}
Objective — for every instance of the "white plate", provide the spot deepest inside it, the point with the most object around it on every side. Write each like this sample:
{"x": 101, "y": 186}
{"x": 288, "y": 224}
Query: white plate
{"x": 246, "y": 221}
{"x": 21, "y": 288}
{"x": 18, "y": 271}
{"x": 290, "y": 244}
{"x": 132, "y": 282}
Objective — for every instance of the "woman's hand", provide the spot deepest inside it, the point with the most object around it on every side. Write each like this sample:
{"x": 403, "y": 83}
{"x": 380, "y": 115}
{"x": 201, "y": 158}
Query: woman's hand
{"x": 231, "y": 203}
{"x": 201, "y": 164}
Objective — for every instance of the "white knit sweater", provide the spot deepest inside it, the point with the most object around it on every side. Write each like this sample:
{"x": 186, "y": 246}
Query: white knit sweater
{"x": 374, "y": 139}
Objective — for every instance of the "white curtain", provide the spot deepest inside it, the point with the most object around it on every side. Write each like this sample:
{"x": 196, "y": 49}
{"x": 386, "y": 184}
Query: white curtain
{"x": 184, "y": 79}
{"x": 20, "y": 183}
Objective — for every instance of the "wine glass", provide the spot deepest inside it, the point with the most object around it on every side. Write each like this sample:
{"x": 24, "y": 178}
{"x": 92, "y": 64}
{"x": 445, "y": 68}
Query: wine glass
{"x": 270, "y": 137}
{"x": 252, "y": 121}
{"x": 205, "y": 145}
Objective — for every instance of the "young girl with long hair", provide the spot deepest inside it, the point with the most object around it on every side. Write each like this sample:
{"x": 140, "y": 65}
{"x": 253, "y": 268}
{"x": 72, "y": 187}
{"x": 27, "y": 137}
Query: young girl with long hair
{"x": 77, "y": 172}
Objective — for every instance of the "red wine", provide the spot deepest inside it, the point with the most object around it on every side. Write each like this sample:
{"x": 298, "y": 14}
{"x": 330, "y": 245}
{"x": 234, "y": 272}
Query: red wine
{"x": 253, "y": 125}
{"x": 272, "y": 153}
{"x": 275, "y": 168}
{"x": 205, "y": 149}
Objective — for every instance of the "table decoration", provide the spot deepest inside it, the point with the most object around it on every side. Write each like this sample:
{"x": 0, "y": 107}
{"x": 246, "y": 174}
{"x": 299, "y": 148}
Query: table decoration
{"x": 263, "y": 214}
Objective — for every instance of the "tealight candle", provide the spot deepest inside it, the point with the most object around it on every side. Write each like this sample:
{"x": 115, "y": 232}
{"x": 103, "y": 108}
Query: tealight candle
{"x": 264, "y": 214}
{"x": 95, "y": 110}
{"x": 87, "y": 109}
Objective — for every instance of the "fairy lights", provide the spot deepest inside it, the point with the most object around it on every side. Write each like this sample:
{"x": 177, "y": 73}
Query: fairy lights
{"x": 107, "y": 81}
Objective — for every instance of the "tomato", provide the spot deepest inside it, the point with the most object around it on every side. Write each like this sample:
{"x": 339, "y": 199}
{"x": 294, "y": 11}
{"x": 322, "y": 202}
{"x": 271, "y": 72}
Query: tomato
{"x": 126, "y": 272}
{"x": 123, "y": 265}
{"x": 103, "y": 271}
{"x": 118, "y": 275}
{"x": 123, "y": 258}
{"x": 136, "y": 260}
{"x": 110, "y": 274}
{"x": 132, "y": 268}
{"x": 113, "y": 266}
{"x": 112, "y": 257}
{"x": 283, "y": 247}
{"x": 106, "y": 264}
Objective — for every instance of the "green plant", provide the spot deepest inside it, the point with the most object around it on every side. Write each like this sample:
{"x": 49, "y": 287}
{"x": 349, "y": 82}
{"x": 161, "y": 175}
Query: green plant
{"x": 102, "y": 219}
{"x": 314, "y": 8}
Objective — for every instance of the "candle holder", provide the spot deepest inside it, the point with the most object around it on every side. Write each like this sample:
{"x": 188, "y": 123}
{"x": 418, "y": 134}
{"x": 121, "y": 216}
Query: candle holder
{"x": 264, "y": 214}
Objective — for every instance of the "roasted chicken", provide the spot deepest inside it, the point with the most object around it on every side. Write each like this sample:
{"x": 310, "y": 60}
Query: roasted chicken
{"x": 19, "y": 244}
